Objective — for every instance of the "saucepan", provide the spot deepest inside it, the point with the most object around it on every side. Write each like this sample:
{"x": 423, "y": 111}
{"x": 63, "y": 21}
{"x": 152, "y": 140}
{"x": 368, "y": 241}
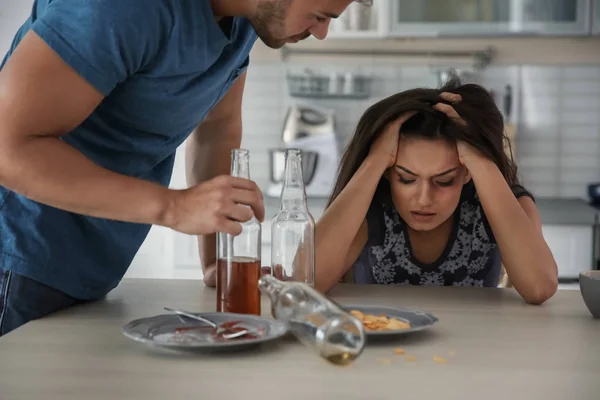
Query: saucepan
{"x": 310, "y": 160}
{"x": 594, "y": 192}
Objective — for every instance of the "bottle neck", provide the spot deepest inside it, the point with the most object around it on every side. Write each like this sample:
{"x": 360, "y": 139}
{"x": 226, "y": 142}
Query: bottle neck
{"x": 240, "y": 163}
{"x": 293, "y": 194}
{"x": 271, "y": 286}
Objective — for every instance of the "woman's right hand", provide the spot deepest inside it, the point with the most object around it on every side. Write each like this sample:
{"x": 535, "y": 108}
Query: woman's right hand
{"x": 385, "y": 146}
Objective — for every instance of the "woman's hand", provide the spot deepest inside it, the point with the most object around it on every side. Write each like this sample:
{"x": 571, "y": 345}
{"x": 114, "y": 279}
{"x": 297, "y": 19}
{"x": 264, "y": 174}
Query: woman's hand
{"x": 466, "y": 152}
{"x": 468, "y": 155}
{"x": 385, "y": 146}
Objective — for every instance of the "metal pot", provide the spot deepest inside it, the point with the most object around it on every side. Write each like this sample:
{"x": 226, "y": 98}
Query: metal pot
{"x": 277, "y": 165}
{"x": 594, "y": 193}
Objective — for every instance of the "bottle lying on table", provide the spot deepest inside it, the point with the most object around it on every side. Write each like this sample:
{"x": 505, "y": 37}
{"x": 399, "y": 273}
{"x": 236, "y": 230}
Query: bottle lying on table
{"x": 315, "y": 320}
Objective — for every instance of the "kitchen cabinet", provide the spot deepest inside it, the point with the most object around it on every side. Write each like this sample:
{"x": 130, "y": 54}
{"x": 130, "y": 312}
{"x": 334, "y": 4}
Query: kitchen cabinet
{"x": 361, "y": 22}
{"x": 596, "y": 23}
{"x": 167, "y": 254}
{"x": 572, "y": 247}
{"x": 489, "y": 17}
{"x": 154, "y": 259}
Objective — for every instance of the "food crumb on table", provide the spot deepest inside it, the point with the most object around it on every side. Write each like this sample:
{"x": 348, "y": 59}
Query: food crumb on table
{"x": 411, "y": 358}
{"x": 385, "y": 361}
{"x": 399, "y": 351}
{"x": 440, "y": 360}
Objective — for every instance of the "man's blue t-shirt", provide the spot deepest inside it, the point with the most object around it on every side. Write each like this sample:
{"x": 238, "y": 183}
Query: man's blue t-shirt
{"x": 162, "y": 65}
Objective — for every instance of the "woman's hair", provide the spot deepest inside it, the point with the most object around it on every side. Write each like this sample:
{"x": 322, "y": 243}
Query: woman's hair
{"x": 484, "y": 129}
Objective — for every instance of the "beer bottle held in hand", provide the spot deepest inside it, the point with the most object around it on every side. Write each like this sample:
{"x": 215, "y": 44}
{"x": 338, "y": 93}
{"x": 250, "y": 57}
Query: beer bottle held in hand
{"x": 293, "y": 228}
{"x": 238, "y": 257}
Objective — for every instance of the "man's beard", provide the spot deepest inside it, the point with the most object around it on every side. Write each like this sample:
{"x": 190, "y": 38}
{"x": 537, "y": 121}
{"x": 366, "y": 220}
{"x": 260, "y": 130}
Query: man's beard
{"x": 269, "y": 22}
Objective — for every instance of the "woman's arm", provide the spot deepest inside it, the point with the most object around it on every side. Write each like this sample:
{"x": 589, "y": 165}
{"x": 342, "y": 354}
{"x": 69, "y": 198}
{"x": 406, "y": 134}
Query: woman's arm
{"x": 527, "y": 258}
{"x": 341, "y": 233}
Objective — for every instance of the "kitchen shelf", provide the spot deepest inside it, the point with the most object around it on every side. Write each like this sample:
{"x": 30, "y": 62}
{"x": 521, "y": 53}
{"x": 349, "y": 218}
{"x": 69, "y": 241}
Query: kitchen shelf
{"x": 479, "y": 58}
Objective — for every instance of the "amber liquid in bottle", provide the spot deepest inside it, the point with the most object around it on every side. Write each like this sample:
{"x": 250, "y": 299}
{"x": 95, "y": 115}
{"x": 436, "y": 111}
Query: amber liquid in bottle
{"x": 237, "y": 288}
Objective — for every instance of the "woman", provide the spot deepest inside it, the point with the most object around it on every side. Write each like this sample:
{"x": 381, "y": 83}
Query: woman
{"x": 426, "y": 195}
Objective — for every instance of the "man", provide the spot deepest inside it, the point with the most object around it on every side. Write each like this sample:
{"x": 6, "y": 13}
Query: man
{"x": 95, "y": 98}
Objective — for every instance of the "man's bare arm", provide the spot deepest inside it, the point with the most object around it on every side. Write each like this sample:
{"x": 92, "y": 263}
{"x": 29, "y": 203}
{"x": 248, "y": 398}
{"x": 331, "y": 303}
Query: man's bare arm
{"x": 41, "y": 99}
{"x": 208, "y": 154}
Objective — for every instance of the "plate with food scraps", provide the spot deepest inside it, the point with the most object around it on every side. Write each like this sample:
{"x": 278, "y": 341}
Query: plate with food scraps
{"x": 181, "y": 333}
{"x": 388, "y": 321}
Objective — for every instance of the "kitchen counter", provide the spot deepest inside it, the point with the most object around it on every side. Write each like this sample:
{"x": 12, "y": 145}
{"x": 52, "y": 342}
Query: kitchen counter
{"x": 496, "y": 347}
{"x": 575, "y": 211}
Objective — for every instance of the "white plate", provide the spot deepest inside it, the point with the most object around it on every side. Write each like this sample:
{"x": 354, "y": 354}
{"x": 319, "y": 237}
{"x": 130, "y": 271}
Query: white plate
{"x": 418, "y": 320}
{"x": 180, "y": 333}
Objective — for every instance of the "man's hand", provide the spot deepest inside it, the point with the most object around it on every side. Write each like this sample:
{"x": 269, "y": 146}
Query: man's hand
{"x": 218, "y": 205}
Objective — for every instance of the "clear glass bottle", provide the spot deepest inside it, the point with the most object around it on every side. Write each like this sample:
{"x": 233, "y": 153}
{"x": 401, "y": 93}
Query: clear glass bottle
{"x": 238, "y": 257}
{"x": 293, "y": 227}
{"x": 316, "y": 321}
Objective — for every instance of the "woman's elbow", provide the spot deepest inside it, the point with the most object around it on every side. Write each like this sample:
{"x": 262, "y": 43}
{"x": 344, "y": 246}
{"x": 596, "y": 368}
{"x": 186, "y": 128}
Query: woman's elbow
{"x": 324, "y": 285}
{"x": 542, "y": 291}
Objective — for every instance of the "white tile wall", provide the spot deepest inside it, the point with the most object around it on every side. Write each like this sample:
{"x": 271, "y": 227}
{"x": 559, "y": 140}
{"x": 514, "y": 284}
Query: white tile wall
{"x": 263, "y": 110}
{"x": 558, "y": 147}
{"x": 556, "y": 108}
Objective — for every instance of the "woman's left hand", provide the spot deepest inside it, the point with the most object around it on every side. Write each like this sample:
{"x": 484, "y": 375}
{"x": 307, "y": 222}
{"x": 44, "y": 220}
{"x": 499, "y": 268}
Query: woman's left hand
{"x": 466, "y": 152}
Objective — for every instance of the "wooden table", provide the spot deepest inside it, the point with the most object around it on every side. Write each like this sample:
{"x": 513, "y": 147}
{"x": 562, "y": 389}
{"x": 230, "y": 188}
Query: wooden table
{"x": 501, "y": 347}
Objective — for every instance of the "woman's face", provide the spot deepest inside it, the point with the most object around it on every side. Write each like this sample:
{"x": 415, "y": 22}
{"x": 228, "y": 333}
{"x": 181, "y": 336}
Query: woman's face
{"x": 426, "y": 181}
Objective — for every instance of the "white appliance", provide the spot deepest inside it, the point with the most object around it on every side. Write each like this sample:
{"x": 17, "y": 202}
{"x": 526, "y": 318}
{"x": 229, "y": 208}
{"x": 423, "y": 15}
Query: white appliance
{"x": 311, "y": 130}
{"x": 573, "y": 249}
